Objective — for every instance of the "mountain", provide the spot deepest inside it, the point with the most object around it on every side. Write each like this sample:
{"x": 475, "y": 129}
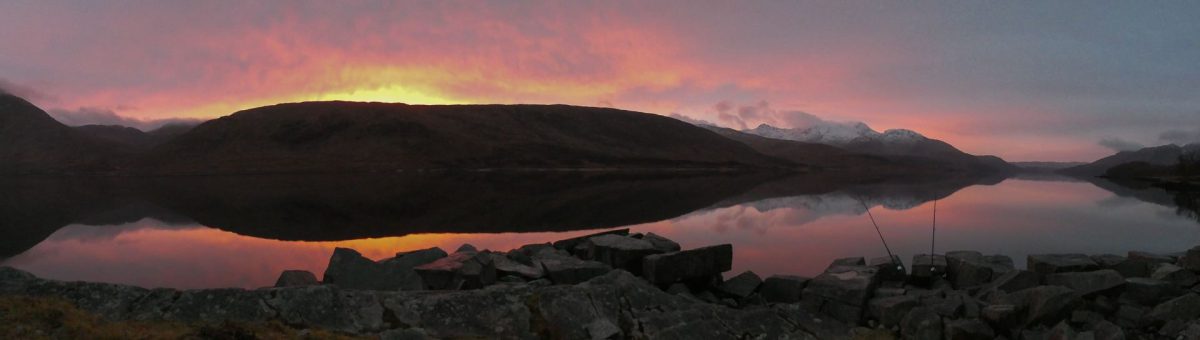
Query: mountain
{"x": 860, "y": 138}
{"x": 1155, "y": 155}
{"x": 133, "y": 138}
{"x": 33, "y": 142}
{"x": 1045, "y": 166}
{"x": 379, "y": 137}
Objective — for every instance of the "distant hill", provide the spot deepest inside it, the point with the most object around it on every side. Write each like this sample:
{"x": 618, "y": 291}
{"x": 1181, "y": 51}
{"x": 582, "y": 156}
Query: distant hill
{"x": 380, "y": 137}
{"x": 134, "y": 138}
{"x": 860, "y": 138}
{"x": 33, "y": 142}
{"x": 1156, "y": 155}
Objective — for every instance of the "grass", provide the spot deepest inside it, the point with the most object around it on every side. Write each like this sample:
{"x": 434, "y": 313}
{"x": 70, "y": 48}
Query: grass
{"x": 23, "y": 317}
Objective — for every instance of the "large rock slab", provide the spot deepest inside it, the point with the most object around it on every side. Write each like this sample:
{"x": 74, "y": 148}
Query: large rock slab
{"x": 890, "y": 311}
{"x": 664, "y": 269}
{"x": 1124, "y": 265}
{"x": 565, "y": 269}
{"x": 1060, "y": 263}
{"x": 572, "y": 243}
{"x": 461, "y": 270}
{"x": 1010, "y": 282}
{"x": 1191, "y": 259}
{"x": 618, "y": 251}
{"x": 928, "y": 268}
{"x": 1175, "y": 274}
{"x": 412, "y": 259}
{"x": 327, "y": 307}
{"x": 742, "y": 285}
{"x": 966, "y": 269}
{"x": 890, "y": 268}
{"x": 349, "y": 269}
{"x": 295, "y": 278}
{"x": 843, "y": 292}
{"x": 1186, "y": 308}
{"x": 506, "y": 266}
{"x": 1148, "y": 292}
{"x": 1087, "y": 283}
{"x": 1042, "y": 305}
{"x": 921, "y": 323}
{"x": 663, "y": 244}
{"x": 783, "y": 288}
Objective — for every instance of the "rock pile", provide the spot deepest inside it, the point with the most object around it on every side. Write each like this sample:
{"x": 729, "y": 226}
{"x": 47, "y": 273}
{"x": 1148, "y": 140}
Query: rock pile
{"x": 617, "y": 285}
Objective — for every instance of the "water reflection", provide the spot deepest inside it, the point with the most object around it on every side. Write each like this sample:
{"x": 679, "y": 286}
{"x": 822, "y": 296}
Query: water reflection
{"x": 238, "y": 232}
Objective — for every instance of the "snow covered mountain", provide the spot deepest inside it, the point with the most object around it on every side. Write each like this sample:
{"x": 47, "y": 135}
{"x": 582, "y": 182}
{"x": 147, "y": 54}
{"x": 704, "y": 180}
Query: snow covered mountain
{"x": 860, "y": 138}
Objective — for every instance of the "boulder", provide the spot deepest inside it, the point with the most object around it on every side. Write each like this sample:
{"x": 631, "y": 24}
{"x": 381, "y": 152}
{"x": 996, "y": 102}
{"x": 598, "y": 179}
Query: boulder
{"x": 1191, "y": 259}
{"x": 329, "y": 308}
{"x": 1043, "y": 304}
{"x": 1060, "y": 263}
{"x": 665, "y": 269}
{"x": 926, "y": 268}
{"x": 619, "y": 251}
{"x": 742, "y": 285}
{"x": 1186, "y": 307}
{"x": 921, "y": 323}
{"x": 890, "y": 268}
{"x": 663, "y": 244}
{"x": 1011, "y": 282}
{"x": 783, "y": 288}
{"x": 890, "y": 311}
{"x": 1175, "y": 274}
{"x": 843, "y": 292}
{"x": 349, "y": 269}
{"x": 1087, "y": 283}
{"x": 296, "y": 278}
{"x": 461, "y": 270}
{"x": 846, "y": 262}
{"x": 466, "y": 248}
{"x": 1104, "y": 330}
{"x": 970, "y": 269}
{"x": 1064, "y": 331}
{"x": 571, "y": 243}
{"x": 1131, "y": 316}
{"x": 506, "y": 266}
{"x": 1123, "y": 265}
{"x": 968, "y": 329}
{"x": 1002, "y": 317}
{"x": 1148, "y": 292}
{"x": 412, "y": 259}
{"x": 565, "y": 269}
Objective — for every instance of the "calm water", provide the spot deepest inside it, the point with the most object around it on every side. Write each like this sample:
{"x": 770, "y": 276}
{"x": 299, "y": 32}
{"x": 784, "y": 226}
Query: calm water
{"x": 205, "y": 235}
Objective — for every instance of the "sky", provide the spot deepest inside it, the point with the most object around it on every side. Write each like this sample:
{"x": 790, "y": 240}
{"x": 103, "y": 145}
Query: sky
{"x": 1061, "y": 80}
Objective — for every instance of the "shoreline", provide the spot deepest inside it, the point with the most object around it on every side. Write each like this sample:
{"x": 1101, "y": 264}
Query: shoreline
{"x": 621, "y": 285}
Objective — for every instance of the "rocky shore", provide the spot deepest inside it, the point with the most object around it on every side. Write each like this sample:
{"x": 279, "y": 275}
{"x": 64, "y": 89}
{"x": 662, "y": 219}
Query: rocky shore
{"x": 617, "y": 285}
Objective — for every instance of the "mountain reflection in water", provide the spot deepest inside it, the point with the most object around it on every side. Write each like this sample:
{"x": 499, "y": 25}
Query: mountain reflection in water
{"x": 220, "y": 232}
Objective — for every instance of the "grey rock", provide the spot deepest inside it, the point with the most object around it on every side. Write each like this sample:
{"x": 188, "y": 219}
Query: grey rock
{"x": 890, "y": 268}
{"x": 466, "y": 248}
{"x": 968, "y": 329}
{"x": 1176, "y": 275}
{"x": 1191, "y": 259}
{"x": 663, "y": 244}
{"x": 461, "y": 270}
{"x": 293, "y": 278}
{"x": 846, "y": 262}
{"x": 890, "y": 311}
{"x": 1002, "y": 317}
{"x": 1043, "y": 304}
{"x": 843, "y": 293}
{"x": 492, "y": 313}
{"x": 571, "y": 243}
{"x": 329, "y": 308}
{"x": 664, "y": 269}
{"x": 921, "y": 323}
{"x": 1186, "y": 307}
{"x": 967, "y": 269}
{"x": 603, "y": 329}
{"x": 742, "y": 285}
{"x": 1011, "y": 282}
{"x": 349, "y": 269}
{"x": 529, "y": 249}
{"x": 217, "y": 305}
{"x": 1104, "y": 330}
{"x": 1088, "y": 283}
{"x": 927, "y": 268}
{"x": 783, "y": 288}
{"x": 1148, "y": 292}
{"x": 1132, "y": 316}
{"x": 412, "y": 259}
{"x": 1060, "y": 263}
{"x": 620, "y": 252}
{"x": 1150, "y": 257}
{"x": 506, "y": 266}
{"x": 564, "y": 269}
{"x": 1127, "y": 267}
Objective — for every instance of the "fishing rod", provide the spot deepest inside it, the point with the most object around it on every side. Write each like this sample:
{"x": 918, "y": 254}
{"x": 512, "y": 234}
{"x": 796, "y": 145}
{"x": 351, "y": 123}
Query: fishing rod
{"x": 880, "y": 232}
